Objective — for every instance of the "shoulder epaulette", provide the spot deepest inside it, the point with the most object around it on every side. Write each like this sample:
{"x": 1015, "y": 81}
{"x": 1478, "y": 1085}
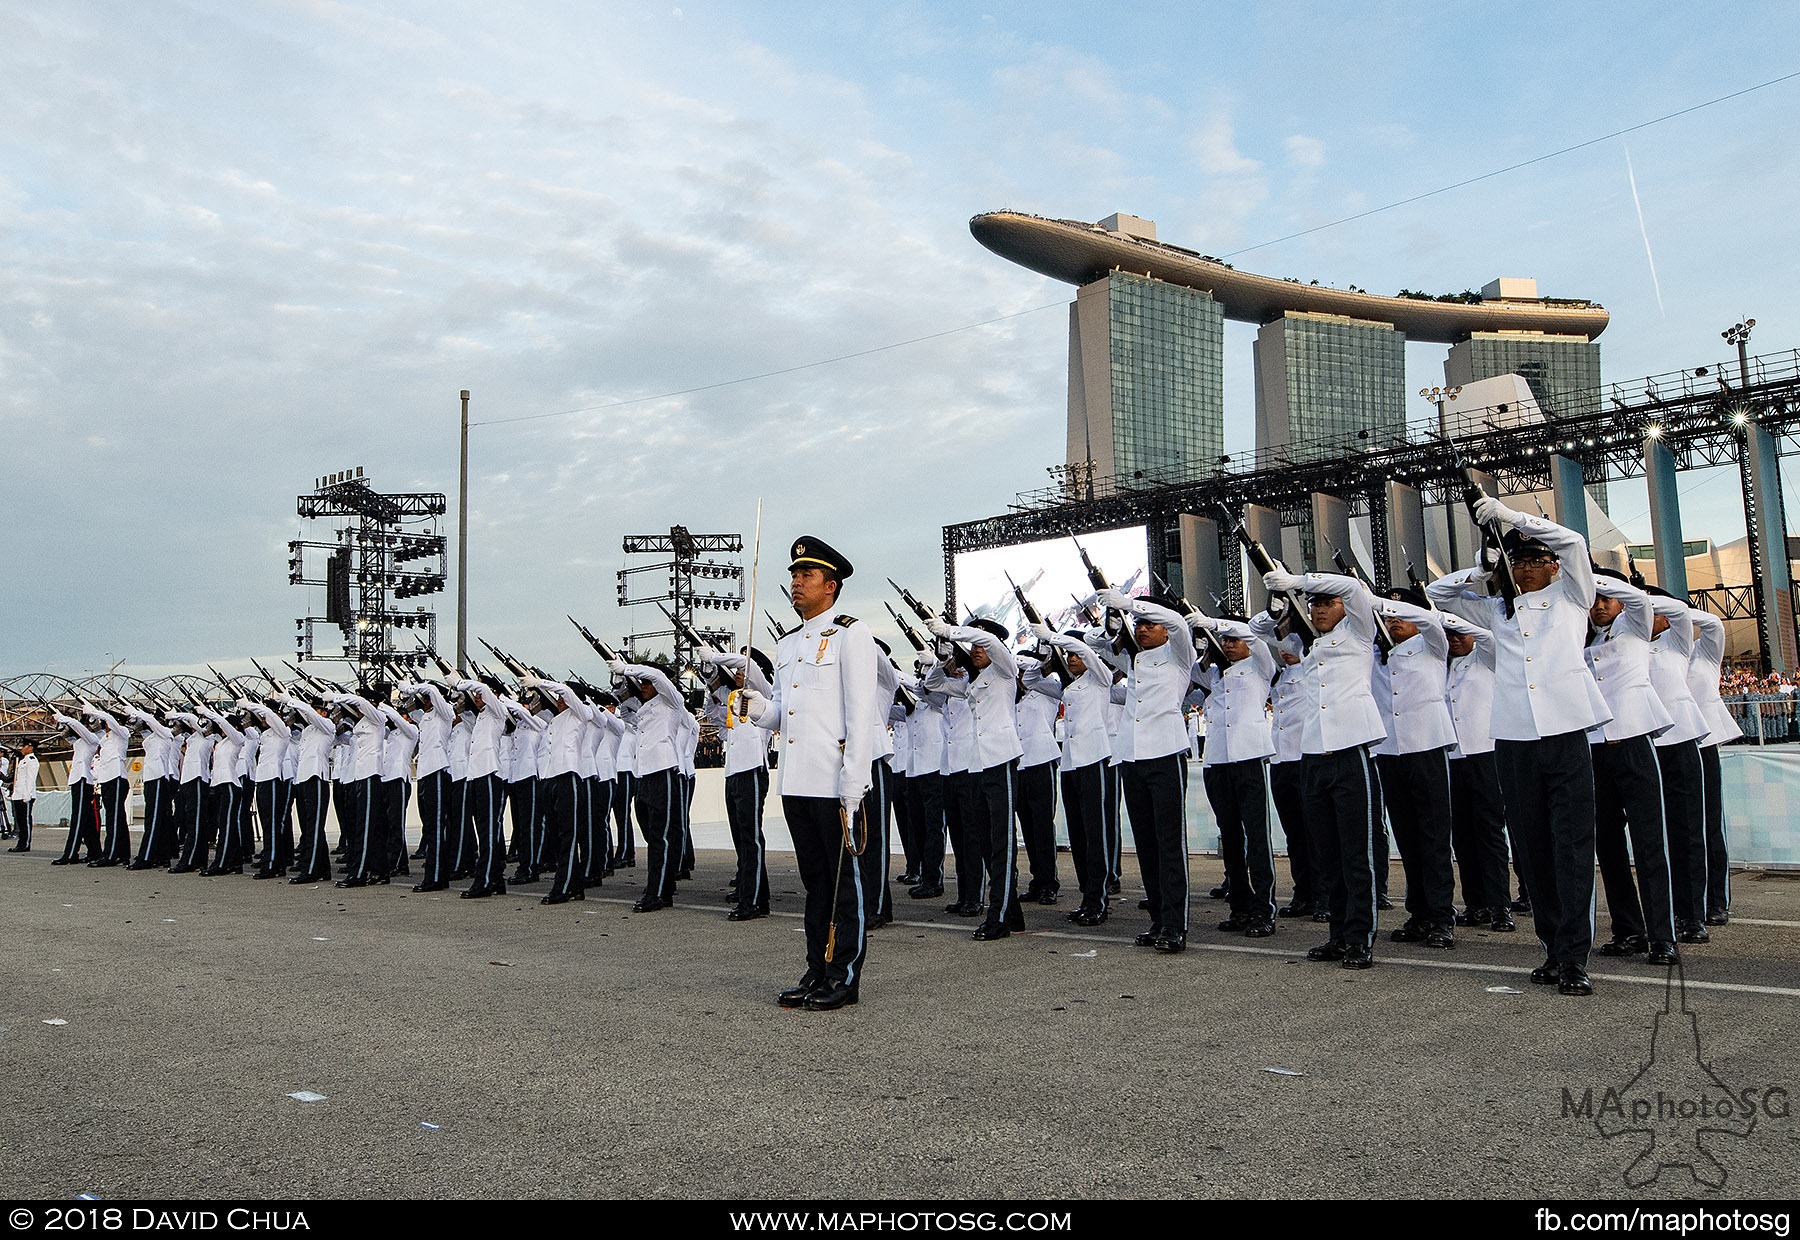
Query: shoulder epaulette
{"x": 844, "y": 620}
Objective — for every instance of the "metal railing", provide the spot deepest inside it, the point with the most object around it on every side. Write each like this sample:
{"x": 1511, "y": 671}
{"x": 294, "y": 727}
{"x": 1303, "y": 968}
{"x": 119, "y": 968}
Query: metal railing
{"x": 1766, "y": 718}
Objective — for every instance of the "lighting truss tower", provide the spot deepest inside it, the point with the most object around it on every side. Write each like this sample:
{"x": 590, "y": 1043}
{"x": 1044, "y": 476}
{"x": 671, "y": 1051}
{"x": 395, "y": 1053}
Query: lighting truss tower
{"x": 723, "y": 587}
{"x": 387, "y": 550}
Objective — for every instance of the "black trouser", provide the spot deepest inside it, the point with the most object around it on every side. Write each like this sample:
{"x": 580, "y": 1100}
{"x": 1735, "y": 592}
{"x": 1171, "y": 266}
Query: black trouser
{"x": 659, "y": 815}
{"x": 21, "y": 815}
{"x": 1239, "y": 795}
{"x": 343, "y": 806}
{"x": 993, "y": 794}
{"x": 1338, "y": 795}
{"x": 1684, "y": 817}
{"x": 1115, "y": 834}
{"x": 313, "y": 797}
{"x": 225, "y": 805}
{"x": 470, "y": 827}
{"x": 395, "y": 795}
{"x": 1084, "y": 806}
{"x": 367, "y": 854}
{"x": 273, "y": 798}
{"x": 835, "y": 888}
{"x": 745, "y": 794}
{"x": 191, "y": 812}
{"x": 113, "y": 794}
{"x": 1416, "y": 787}
{"x": 158, "y": 843}
{"x": 900, "y": 797}
{"x": 879, "y": 846}
{"x": 1478, "y": 831}
{"x": 434, "y": 790}
{"x": 1284, "y": 789}
{"x": 529, "y": 839}
{"x": 244, "y": 825}
{"x": 1718, "y": 861}
{"x": 925, "y": 796}
{"x": 595, "y": 829}
{"x": 624, "y": 793}
{"x": 84, "y": 821}
{"x": 1628, "y": 790}
{"x": 1549, "y": 790}
{"x": 959, "y": 816}
{"x": 487, "y": 797}
{"x": 1156, "y": 799}
{"x": 684, "y": 789}
{"x": 561, "y": 797}
{"x": 1037, "y": 823}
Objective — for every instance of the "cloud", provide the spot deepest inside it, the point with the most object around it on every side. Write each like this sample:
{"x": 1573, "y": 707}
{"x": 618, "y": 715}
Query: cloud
{"x": 1305, "y": 152}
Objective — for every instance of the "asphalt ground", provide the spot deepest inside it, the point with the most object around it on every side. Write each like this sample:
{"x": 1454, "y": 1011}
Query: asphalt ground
{"x": 505, "y": 1050}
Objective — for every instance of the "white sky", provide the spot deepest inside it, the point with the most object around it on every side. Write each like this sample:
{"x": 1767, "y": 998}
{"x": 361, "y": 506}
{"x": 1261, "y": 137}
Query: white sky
{"x": 243, "y": 245}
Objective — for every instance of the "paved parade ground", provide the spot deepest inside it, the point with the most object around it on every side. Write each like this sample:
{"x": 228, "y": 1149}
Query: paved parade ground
{"x": 506, "y": 1050}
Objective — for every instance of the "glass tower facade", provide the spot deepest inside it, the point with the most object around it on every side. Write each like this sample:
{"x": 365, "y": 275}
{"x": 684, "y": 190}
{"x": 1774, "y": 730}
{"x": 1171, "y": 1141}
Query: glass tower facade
{"x": 1563, "y": 372}
{"x": 1322, "y": 380}
{"x": 1146, "y": 379}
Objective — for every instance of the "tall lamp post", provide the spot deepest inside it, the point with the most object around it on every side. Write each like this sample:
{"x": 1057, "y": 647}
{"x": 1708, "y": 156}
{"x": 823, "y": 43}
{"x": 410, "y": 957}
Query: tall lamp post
{"x": 1441, "y": 397}
{"x": 462, "y": 548}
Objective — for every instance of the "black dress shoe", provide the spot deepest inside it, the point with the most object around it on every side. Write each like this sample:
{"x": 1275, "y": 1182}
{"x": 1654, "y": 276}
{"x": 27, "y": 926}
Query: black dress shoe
{"x": 174, "y": 869}
{"x": 1475, "y": 917}
{"x": 1574, "y": 981}
{"x": 1547, "y": 974}
{"x": 830, "y": 998}
{"x": 270, "y": 874}
{"x": 1144, "y": 904}
{"x": 379, "y": 880}
{"x": 740, "y": 913}
{"x": 1408, "y": 932}
{"x": 404, "y": 871}
{"x": 1169, "y": 944}
{"x": 351, "y": 882}
{"x": 61, "y": 861}
{"x": 1113, "y": 887}
{"x": 1719, "y": 918}
{"x": 1521, "y": 905}
{"x": 1440, "y": 938}
{"x": 966, "y": 910}
{"x": 419, "y": 855}
{"x": 1219, "y": 892}
{"x": 18, "y": 850}
{"x": 1321, "y": 915}
{"x": 564, "y": 898}
{"x": 1234, "y": 923}
{"x": 1333, "y": 950}
{"x": 649, "y": 904}
{"x": 1625, "y": 945}
{"x": 1259, "y": 929}
{"x": 878, "y": 920}
{"x": 1047, "y": 896}
{"x": 926, "y": 891}
{"x": 473, "y": 893}
{"x": 140, "y": 865}
{"x": 989, "y": 930}
{"x": 424, "y": 887}
{"x": 797, "y": 995}
{"x": 684, "y": 875}
{"x": 1503, "y": 922}
{"x": 523, "y": 876}
{"x": 1662, "y": 953}
{"x": 1088, "y": 916}
{"x": 217, "y": 870}
{"x": 300, "y": 880}
{"x": 905, "y": 880}
{"x": 1357, "y": 958}
{"x": 1147, "y": 938}
{"x": 1691, "y": 932}
{"x": 1297, "y": 908}
{"x": 1383, "y": 903}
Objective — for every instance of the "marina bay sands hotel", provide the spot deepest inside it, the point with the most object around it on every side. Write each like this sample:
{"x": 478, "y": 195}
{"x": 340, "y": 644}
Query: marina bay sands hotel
{"x": 1146, "y": 340}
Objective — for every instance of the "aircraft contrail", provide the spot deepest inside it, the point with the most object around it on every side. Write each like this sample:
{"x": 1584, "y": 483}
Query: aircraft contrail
{"x": 1645, "y": 232}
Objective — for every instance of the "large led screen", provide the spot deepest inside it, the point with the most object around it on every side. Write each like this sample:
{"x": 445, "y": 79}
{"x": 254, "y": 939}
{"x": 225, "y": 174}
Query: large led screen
{"x": 1051, "y": 575}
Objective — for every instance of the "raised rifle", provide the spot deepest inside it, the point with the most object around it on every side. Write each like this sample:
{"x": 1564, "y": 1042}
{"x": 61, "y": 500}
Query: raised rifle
{"x": 1123, "y": 638}
{"x": 1299, "y": 618}
{"x": 958, "y": 650}
{"x": 1384, "y": 637}
{"x": 1215, "y": 649}
{"x": 511, "y": 664}
{"x": 1057, "y": 659}
{"x": 774, "y": 628}
{"x": 1412, "y": 579}
{"x": 1631, "y": 569}
{"x": 915, "y": 636}
{"x": 600, "y": 648}
{"x": 1494, "y": 556}
{"x": 264, "y": 673}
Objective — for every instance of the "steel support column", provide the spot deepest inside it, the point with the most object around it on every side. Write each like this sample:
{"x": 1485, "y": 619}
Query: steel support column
{"x": 1665, "y": 517}
{"x": 1568, "y": 494}
{"x": 1403, "y": 535}
{"x": 1202, "y": 569}
{"x": 1765, "y": 517}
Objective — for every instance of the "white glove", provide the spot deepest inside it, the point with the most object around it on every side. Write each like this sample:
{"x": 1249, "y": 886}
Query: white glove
{"x": 851, "y": 805}
{"x": 1281, "y": 581}
{"x": 618, "y": 668}
{"x": 1114, "y": 600}
{"x": 1487, "y": 508}
{"x": 1199, "y": 621}
{"x": 1043, "y": 632}
{"x": 706, "y": 654}
{"x": 938, "y": 627}
{"x": 529, "y": 682}
{"x": 755, "y": 705}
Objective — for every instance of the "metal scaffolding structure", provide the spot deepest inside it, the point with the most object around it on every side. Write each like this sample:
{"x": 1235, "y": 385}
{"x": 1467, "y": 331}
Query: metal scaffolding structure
{"x": 1744, "y": 412}
{"x": 371, "y": 563}
{"x": 724, "y": 591}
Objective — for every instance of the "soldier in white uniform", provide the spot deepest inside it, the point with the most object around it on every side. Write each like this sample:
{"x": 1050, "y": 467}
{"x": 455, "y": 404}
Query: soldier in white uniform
{"x": 23, "y": 794}
{"x": 1039, "y": 702}
{"x": 1704, "y": 671}
{"x": 1627, "y": 780}
{"x": 84, "y": 809}
{"x": 828, "y": 709}
{"x": 1234, "y": 767}
{"x": 925, "y": 787}
{"x": 746, "y": 772}
{"x": 1545, "y": 702}
{"x": 1340, "y": 725}
{"x": 1678, "y": 756}
{"x": 312, "y": 790}
{"x": 1477, "y": 810}
{"x": 162, "y": 766}
{"x": 273, "y": 793}
{"x": 1086, "y": 701}
{"x": 1414, "y": 763}
{"x": 660, "y": 733}
{"x": 112, "y": 781}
